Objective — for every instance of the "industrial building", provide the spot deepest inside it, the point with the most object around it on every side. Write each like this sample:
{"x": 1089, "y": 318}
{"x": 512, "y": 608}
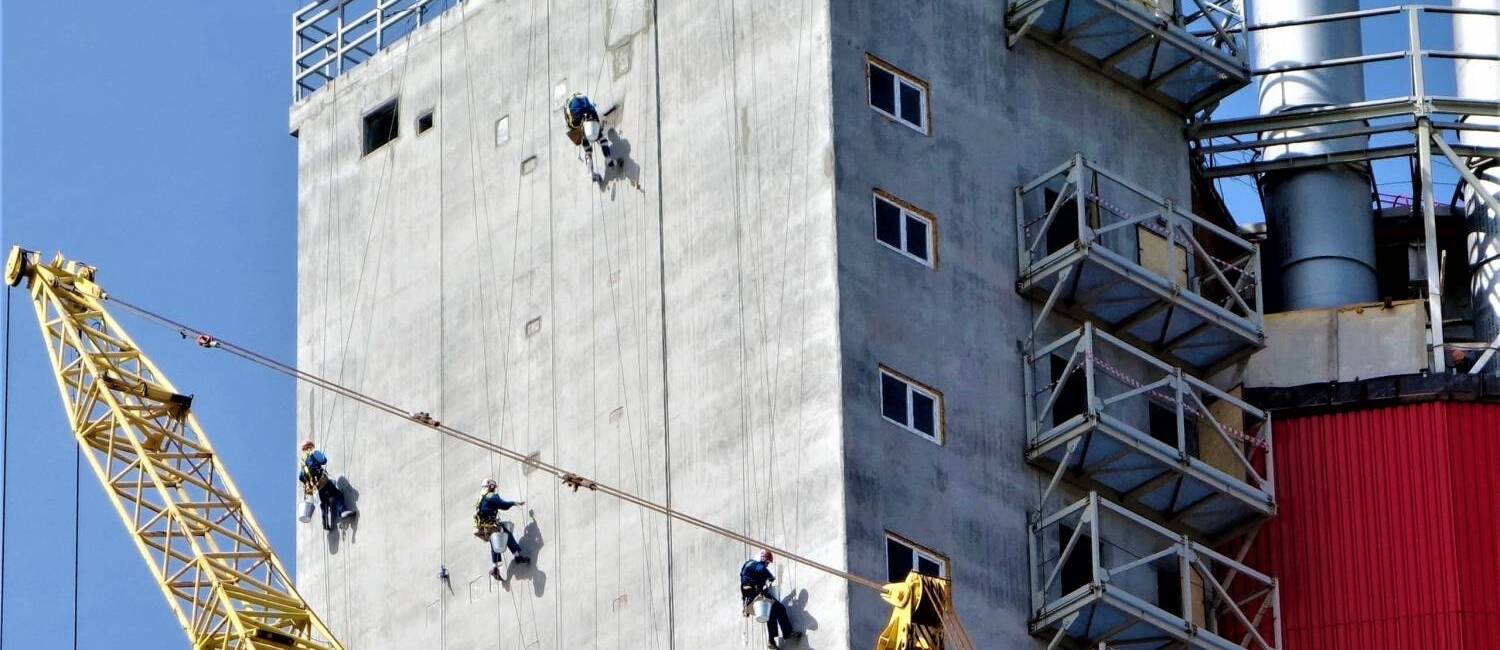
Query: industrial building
{"x": 947, "y": 287}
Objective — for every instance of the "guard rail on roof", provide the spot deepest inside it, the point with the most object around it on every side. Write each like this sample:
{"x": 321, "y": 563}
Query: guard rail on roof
{"x": 330, "y": 37}
{"x": 1113, "y": 418}
{"x": 1168, "y": 281}
{"x": 1183, "y": 54}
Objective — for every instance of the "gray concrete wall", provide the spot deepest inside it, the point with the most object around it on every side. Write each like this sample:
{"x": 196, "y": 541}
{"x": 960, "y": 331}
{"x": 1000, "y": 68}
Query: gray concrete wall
{"x": 421, "y": 265}
{"x": 999, "y": 118}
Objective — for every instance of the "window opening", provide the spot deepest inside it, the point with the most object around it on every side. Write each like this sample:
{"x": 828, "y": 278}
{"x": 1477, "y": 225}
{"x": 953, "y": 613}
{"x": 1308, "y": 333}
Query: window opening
{"x": 904, "y": 228}
{"x": 1072, "y": 397}
{"x": 424, "y": 122}
{"x": 896, "y": 94}
{"x": 901, "y": 558}
{"x": 1162, "y": 425}
{"x": 1078, "y": 569}
{"x": 381, "y": 126}
{"x": 911, "y": 405}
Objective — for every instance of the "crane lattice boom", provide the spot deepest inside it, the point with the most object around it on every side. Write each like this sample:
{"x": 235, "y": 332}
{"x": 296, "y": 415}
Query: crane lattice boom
{"x": 206, "y": 551}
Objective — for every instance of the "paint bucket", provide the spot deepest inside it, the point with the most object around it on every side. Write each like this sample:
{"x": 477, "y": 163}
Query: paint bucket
{"x": 762, "y": 609}
{"x": 497, "y": 542}
{"x": 591, "y": 130}
{"x": 305, "y": 511}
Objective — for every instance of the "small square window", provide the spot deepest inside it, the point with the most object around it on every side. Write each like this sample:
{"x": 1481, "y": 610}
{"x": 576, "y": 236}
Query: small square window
{"x": 896, "y": 94}
{"x": 903, "y": 557}
{"x": 904, "y": 228}
{"x": 424, "y": 122}
{"x": 915, "y": 407}
{"x": 502, "y": 130}
{"x": 381, "y": 126}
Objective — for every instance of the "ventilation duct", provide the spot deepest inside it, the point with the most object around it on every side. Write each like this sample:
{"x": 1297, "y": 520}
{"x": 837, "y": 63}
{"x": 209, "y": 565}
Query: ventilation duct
{"x": 1320, "y": 219}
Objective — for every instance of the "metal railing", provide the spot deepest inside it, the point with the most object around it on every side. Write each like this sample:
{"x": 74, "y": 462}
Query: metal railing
{"x": 1103, "y": 574}
{"x": 1079, "y": 213}
{"x": 330, "y": 37}
{"x": 1184, "y": 54}
{"x": 1106, "y": 387}
{"x": 1412, "y": 124}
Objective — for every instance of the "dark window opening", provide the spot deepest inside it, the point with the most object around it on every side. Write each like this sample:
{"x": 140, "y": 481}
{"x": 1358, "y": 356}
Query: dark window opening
{"x": 381, "y": 126}
{"x": 888, "y": 223}
{"x": 882, "y": 89}
{"x": 1078, "y": 568}
{"x": 1169, "y": 589}
{"x": 897, "y": 560}
{"x": 916, "y": 237}
{"x": 1072, "y": 397}
{"x": 924, "y": 411}
{"x": 424, "y": 122}
{"x": 1162, "y": 425}
{"x": 893, "y": 398}
{"x": 1064, "y": 228}
{"x": 911, "y": 104}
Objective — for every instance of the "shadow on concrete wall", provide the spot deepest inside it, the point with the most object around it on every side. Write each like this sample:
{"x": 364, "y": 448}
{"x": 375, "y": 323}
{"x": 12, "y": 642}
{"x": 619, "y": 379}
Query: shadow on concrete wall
{"x": 796, "y": 609}
{"x": 343, "y": 526}
{"x": 531, "y": 544}
{"x": 627, "y": 169}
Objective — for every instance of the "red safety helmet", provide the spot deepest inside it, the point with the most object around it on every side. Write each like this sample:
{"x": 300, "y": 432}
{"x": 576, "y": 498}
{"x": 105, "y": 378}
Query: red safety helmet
{"x": 766, "y": 556}
{"x": 307, "y": 443}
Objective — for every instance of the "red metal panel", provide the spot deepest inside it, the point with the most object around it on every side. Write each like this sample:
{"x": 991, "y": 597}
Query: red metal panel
{"x": 1475, "y": 445}
{"x": 1388, "y": 529}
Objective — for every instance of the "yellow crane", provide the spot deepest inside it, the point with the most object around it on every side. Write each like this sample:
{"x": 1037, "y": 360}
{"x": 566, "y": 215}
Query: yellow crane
{"x": 209, "y": 556}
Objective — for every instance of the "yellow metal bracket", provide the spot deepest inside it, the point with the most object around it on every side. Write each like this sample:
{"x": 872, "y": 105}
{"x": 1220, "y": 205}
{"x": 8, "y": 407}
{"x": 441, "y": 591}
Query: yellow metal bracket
{"x": 922, "y": 616}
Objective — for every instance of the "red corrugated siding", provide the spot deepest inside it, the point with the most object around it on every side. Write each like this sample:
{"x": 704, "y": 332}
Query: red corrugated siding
{"x": 1388, "y": 533}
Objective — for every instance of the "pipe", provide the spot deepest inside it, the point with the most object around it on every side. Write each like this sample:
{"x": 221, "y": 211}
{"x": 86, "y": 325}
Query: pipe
{"x": 1321, "y": 218}
{"x": 1474, "y": 34}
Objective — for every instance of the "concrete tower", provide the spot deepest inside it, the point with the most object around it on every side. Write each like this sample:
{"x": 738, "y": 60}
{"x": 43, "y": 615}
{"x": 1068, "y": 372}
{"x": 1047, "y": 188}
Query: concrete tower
{"x": 793, "y": 312}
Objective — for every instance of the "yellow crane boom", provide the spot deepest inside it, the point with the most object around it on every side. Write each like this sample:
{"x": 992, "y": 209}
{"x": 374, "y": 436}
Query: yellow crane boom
{"x": 197, "y": 536}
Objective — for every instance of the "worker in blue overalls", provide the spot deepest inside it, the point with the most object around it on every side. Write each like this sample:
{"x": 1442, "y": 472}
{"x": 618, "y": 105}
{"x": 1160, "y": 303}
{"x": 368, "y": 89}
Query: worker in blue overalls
{"x": 488, "y": 527}
{"x": 584, "y": 129}
{"x": 314, "y": 479}
{"x": 755, "y": 582}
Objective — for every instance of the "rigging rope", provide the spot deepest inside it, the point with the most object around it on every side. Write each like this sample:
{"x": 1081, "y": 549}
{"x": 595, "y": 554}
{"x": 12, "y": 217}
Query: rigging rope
{"x": 77, "y": 491}
{"x": 4, "y": 463}
{"x": 568, "y": 478}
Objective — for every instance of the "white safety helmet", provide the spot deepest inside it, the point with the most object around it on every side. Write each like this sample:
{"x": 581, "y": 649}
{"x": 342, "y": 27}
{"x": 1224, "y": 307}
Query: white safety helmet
{"x": 489, "y": 484}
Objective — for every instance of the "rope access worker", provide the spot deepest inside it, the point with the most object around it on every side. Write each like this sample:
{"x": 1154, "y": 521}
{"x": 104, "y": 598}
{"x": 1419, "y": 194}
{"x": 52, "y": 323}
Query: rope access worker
{"x": 487, "y": 526}
{"x": 584, "y": 129}
{"x": 314, "y": 478}
{"x": 755, "y": 582}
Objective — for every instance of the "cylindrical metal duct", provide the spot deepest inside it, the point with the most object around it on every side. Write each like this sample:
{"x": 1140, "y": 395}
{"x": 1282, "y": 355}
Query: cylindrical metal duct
{"x": 1475, "y": 34}
{"x": 1321, "y": 218}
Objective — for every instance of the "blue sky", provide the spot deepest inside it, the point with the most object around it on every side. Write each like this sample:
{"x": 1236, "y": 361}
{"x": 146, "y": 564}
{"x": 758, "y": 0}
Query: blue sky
{"x": 150, "y": 139}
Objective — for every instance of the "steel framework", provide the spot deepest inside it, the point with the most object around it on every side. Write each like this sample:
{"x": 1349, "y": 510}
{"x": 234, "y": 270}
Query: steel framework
{"x": 1182, "y": 54}
{"x": 1214, "y": 601}
{"x": 1109, "y": 443}
{"x": 1203, "y": 313}
{"x": 140, "y": 437}
{"x": 329, "y": 37}
{"x": 1425, "y": 122}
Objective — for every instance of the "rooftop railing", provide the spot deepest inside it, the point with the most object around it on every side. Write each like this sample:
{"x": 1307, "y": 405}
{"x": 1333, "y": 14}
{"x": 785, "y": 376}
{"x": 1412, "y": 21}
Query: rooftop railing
{"x": 330, "y": 37}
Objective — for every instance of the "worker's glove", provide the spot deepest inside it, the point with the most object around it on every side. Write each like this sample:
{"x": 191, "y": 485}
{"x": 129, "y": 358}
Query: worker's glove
{"x": 520, "y": 503}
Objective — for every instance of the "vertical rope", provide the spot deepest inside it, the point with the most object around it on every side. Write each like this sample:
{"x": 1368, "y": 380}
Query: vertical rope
{"x": 77, "y": 472}
{"x": 4, "y": 464}
{"x": 666, "y": 387}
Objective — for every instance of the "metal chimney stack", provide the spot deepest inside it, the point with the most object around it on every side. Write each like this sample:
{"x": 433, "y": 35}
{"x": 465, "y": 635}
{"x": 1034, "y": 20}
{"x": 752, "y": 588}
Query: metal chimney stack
{"x": 1321, "y": 218}
{"x": 1481, "y": 80}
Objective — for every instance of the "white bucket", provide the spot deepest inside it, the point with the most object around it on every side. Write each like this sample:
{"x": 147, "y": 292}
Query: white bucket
{"x": 762, "y": 609}
{"x": 305, "y": 511}
{"x": 591, "y": 130}
{"x": 497, "y": 542}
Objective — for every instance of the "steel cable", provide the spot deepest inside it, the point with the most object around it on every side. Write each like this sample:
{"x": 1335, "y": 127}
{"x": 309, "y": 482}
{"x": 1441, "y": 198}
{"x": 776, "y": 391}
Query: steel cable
{"x": 570, "y": 479}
